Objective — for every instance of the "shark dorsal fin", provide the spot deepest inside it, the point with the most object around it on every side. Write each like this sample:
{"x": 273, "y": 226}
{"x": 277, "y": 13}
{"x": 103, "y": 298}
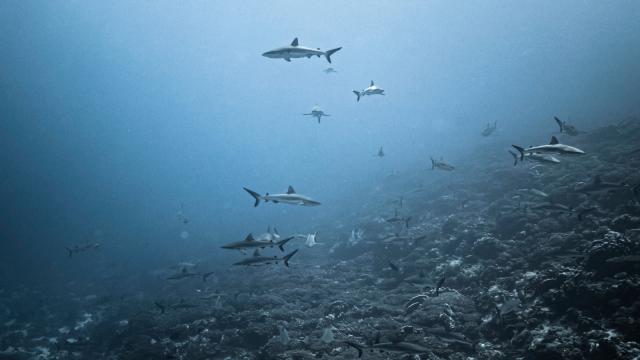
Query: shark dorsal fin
{"x": 249, "y": 238}
{"x": 184, "y": 270}
{"x": 269, "y": 229}
{"x": 597, "y": 179}
{"x": 554, "y": 141}
{"x": 256, "y": 253}
{"x": 294, "y": 42}
{"x": 290, "y": 190}
{"x": 275, "y": 230}
{"x": 371, "y": 83}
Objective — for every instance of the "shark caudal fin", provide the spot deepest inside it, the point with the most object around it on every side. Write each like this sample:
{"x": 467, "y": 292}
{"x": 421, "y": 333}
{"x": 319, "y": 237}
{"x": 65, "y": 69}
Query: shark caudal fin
{"x": 328, "y": 53}
{"x": 69, "y": 251}
{"x": 287, "y": 257}
{"x": 560, "y": 123}
{"x": 357, "y": 94}
{"x": 515, "y": 157}
{"x": 433, "y": 164}
{"x": 255, "y": 195}
{"x": 520, "y": 150}
{"x": 356, "y": 346}
{"x": 282, "y": 242}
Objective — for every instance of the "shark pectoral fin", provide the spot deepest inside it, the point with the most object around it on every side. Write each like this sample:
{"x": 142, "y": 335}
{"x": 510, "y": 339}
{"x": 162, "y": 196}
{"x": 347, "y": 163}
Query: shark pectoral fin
{"x": 287, "y": 59}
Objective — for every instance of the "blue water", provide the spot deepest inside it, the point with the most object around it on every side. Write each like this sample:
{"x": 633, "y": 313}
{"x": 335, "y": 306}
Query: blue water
{"x": 113, "y": 114}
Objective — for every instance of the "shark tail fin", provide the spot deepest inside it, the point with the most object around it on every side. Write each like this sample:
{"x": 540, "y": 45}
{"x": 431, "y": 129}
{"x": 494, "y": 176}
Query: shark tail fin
{"x": 69, "y": 251}
{"x": 255, "y": 195}
{"x": 520, "y": 150}
{"x": 433, "y": 164}
{"x": 331, "y": 52}
{"x": 406, "y": 222}
{"x": 288, "y": 257}
{"x": 515, "y": 157}
{"x": 357, "y": 94}
{"x": 282, "y": 242}
{"x": 560, "y": 123}
{"x": 355, "y": 346}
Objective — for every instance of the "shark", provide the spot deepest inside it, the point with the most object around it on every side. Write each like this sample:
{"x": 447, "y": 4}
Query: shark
{"x": 567, "y": 128}
{"x": 441, "y": 165}
{"x": 490, "y": 129}
{"x": 177, "y": 306}
{"x": 371, "y": 90}
{"x": 295, "y": 50}
{"x": 250, "y": 243}
{"x": 398, "y": 347}
{"x": 597, "y": 185}
{"x": 186, "y": 274}
{"x": 257, "y": 259}
{"x": 396, "y": 218}
{"x": 550, "y": 206}
{"x": 291, "y": 197}
{"x": 317, "y": 113}
{"x": 82, "y": 248}
{"x": 554, "y": 147}
{"x": 538, "y": 157}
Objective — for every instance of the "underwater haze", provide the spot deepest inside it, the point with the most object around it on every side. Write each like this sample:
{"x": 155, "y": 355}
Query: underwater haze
{"x": 128, "y": 131}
